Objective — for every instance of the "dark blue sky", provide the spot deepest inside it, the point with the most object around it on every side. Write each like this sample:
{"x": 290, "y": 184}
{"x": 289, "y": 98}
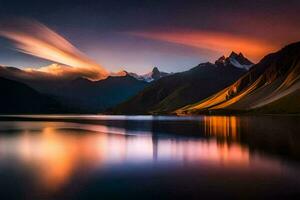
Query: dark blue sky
{"x": 102, "y": 29}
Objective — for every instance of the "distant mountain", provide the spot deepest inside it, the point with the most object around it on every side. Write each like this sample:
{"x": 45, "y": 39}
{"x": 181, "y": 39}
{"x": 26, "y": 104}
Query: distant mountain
{"x": 79, "y": 94}
{"x": 19, "y": 98}
{"x": 236, "y": 60}
{"x": 96, "y": 96}
{"x": 271, "y": 86}
{"x": 177, "y": 90}
{"x": 154, "y": 75}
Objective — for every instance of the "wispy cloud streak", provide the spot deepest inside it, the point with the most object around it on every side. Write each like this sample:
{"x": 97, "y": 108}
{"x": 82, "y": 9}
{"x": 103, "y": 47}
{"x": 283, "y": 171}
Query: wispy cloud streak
{"x": 216, "y": 41}
{"x": 34, "y": 38}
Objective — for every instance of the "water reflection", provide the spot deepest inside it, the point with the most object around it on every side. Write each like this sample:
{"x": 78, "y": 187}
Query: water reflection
{"x": 54, "y": 152}
{"x": 221, "y": 126}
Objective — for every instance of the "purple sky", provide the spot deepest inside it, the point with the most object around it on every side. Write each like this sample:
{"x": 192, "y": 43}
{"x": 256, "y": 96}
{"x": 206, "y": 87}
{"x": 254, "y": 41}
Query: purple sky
{"x": 101, "y": 30}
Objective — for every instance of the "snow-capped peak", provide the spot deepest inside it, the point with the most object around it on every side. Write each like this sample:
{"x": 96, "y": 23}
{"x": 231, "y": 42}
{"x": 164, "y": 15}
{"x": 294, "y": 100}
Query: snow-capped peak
{"x": 236, "y": 60}
{"x": 155, "y": 74}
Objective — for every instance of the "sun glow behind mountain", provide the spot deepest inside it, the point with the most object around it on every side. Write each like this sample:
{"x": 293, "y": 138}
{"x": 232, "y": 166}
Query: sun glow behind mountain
{"x": 34, "y": 38}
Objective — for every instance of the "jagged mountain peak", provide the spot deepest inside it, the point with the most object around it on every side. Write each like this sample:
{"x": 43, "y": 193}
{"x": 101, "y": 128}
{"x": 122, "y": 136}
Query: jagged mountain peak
{"x": 236, "y": 60}
{"x": 240, "y": 58}
{"x": 155, "y": 70}
{"x": 233, "y": 54}
{"x": 155, "y": 74}
{"x": 240, "y": 54}
{"x": 220, "y": 61}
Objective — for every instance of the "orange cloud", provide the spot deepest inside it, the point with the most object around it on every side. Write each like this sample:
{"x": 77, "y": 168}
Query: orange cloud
{"x": 216, "y": 41}
{"x": 62, "y": 71}
{"x": 36, "y": 39}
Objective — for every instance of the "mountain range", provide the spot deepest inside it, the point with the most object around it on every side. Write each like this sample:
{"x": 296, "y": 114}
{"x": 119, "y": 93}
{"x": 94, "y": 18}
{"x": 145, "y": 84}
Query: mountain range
{"x": 271, "y": 86}
{"x": 79, "y": 95}
{"x": 231, "y": 84}
{"x": 177, "y": 90}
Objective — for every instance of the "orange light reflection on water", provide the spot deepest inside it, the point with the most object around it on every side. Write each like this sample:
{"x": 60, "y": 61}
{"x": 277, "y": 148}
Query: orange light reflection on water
{"x": 221, "y": 126}
{"x": 56, "y": 154}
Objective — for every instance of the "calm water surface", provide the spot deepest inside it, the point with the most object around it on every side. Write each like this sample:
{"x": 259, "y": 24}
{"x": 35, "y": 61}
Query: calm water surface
{"x": 143, "y": 157}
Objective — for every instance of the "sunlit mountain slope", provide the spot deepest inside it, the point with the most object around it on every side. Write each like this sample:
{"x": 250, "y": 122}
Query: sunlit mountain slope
{"x": 180, "y": 89}
{"x": 270, "y": 86}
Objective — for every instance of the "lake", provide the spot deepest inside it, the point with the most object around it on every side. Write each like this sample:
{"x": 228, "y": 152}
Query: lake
{"x": 149, "y": 157}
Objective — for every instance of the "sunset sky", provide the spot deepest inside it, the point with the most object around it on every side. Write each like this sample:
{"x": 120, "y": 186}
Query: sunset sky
{"x": 136, "y": 35}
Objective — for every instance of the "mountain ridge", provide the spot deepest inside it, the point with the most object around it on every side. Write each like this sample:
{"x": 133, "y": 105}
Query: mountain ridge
{"x": 275, "y": 77}
{"x": 179, "y": 89}
{"x": 80, "y": 94}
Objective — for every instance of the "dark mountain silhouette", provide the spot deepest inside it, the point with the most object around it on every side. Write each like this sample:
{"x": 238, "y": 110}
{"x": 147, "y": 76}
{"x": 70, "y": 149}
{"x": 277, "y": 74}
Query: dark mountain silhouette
{"x": 271, "y": 86}
{"x": 80, "y": 94}
{"x": 180, "y": 89}
{"x": 156, "y": 74}
{"x": 20, "y": 98}
{"x": 96, "y": 96}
